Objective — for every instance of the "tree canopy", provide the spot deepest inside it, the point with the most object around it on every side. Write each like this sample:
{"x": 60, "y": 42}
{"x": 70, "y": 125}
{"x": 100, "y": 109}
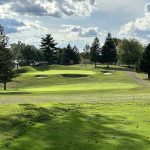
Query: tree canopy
{"x": 130, "y": 51}
{"x": 48, "y": 46}
{"x": 95, "y": 51}
{"x": 109, "y": 52}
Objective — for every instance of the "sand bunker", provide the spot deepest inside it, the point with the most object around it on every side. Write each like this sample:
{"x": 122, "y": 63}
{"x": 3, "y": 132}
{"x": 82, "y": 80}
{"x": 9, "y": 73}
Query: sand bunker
{"x": 108, "y": 73}
{"x": 41, "y": 76}
{"x": 74, "y": 75}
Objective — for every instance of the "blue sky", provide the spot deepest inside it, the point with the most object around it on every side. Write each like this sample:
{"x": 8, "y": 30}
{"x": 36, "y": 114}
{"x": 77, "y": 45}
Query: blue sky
{"x": 75, "y": 21}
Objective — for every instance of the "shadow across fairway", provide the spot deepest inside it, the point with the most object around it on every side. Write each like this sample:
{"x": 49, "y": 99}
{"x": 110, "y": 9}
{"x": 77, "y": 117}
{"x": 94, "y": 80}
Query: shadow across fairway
{"x": 14, "y": 93}
{"x": 66, "y": 128}
{"x": 118, "y": 69}
{"x": 42, "y": 67}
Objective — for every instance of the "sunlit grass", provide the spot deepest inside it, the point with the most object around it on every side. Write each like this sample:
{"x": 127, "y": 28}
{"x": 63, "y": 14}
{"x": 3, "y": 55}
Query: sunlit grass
{"x": 83, "y": 87}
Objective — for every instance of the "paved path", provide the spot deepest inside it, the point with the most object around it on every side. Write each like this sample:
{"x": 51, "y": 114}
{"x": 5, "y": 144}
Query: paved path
{"x": 135, "y": 77}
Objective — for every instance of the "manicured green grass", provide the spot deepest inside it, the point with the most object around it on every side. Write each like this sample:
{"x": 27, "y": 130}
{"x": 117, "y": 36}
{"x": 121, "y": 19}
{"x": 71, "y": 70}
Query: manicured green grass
{"x": 93, "y": 112}
{"x": 58, "y": 72}
{"x": 55, "y": 81}
{"x": 83, "y": 87}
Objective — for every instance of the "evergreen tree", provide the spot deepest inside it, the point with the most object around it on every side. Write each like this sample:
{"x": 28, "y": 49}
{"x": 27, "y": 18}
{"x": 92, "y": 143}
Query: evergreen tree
{"x": 86, "y": 52}
{"x": 145, "y": 62}
{"x": 66, "y": 57}
{"x": 109, "y": 52}
{"x": 75, "y": 55}
{"x": 85, "y": 55}
{"x": 60, "y": 55}
{"x": 6, "y": 65}
{"x": 48, "y": 46}
{"x": 95, "y": 51}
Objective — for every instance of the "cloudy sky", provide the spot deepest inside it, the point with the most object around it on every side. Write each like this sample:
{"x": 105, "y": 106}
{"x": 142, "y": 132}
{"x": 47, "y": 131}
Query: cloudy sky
{"x": 75, "y": 21}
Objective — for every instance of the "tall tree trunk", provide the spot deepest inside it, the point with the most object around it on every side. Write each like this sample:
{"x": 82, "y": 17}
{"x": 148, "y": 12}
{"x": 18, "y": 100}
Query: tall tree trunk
{"x": 149, "y": 75}
{"x": 5, "y": 88}
{"x": 107, "y": 65}
{"x": 17, "y": 65}
{"x": 95, "y": 64}
{"x": 129, "y": 65}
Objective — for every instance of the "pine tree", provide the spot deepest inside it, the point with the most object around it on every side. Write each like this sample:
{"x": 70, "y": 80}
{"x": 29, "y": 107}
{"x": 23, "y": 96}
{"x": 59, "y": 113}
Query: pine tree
{"x": 145, "y": 62}
{"x": 109, "y": 52}
{"x": 75, "y": 55}
{"x": 86, "y": 52}
{"x": 6, "y": 65}
{"x": 48, "y": 46}
{"x": 66, "y": 60}
{"x": 95, "y": 51}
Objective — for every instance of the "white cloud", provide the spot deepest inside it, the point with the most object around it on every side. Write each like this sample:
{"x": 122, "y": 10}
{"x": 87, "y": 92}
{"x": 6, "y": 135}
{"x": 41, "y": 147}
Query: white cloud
{"x": 80, "y": 31}
{"x": 13, "y": 25}
{"x": 23, "y": 30}
{"x": 115, "y": 6}
{"x": 55, "y": 8}
{"x": 140, "y": 28}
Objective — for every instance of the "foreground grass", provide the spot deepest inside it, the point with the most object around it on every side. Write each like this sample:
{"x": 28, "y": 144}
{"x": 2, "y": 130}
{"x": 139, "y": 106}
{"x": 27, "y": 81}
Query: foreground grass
{"x": 66, "y": 113}
{"x": 92, "y": 126}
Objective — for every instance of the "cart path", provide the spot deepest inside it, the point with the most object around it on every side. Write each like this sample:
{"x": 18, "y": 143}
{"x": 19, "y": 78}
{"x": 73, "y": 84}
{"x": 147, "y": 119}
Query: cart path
{"x": 133, "y": 75}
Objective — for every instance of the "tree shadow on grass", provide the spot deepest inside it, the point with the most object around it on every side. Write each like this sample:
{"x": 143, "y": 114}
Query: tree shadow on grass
{"x": 66, "y": 128}
{"x": 42, "y": 67}
{"x": 118, "y": 69}
{"x": 14, "y": 93}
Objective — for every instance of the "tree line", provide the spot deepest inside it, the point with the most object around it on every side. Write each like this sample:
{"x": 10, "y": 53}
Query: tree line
{"x": 49, "y": 53}
{"x": 113, "y": 52}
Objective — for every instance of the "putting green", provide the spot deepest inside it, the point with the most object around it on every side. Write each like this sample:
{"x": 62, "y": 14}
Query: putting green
{"x": 82, "y": 87}
{"x": 57, "y": 72}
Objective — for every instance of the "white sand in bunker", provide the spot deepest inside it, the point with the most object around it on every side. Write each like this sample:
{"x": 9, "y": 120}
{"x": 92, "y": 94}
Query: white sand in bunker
{"x": 108, "y": 73}
{"x": 41, "y": 76}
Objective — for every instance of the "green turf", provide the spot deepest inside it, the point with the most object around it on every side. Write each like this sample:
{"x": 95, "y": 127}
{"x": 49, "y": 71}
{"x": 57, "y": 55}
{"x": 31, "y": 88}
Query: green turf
{"x": 110, "y": 126}
{"x": 83, "y": 87}
{"x": 108, "y": 112}
{"x": 55, "y": 81}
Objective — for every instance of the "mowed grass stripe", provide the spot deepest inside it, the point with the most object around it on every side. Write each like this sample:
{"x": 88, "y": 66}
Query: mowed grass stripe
{"x": 83, "y": 87}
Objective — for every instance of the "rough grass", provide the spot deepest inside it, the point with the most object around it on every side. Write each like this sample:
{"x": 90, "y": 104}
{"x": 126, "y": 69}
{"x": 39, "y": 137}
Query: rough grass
{"x": 58, "y": 113}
